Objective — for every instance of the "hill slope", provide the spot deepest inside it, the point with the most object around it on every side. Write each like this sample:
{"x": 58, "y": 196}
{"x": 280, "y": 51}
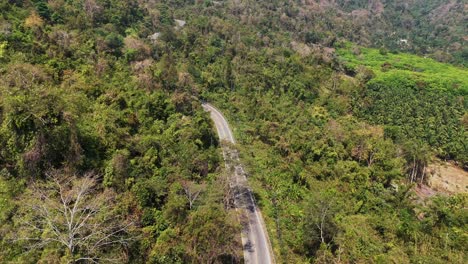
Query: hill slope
{"x": 104, "y": 96}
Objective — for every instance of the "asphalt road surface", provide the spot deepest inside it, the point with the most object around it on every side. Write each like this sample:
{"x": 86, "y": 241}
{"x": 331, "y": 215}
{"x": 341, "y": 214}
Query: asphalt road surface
{"x": 256, "y": 246}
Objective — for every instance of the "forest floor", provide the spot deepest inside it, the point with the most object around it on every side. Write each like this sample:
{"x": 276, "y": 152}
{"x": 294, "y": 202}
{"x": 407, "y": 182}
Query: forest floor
{"x": 444, "y": 178}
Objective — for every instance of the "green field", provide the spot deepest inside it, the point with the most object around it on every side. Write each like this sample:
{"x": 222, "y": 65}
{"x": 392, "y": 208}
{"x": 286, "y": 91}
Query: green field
{"x": 424, "y": 71}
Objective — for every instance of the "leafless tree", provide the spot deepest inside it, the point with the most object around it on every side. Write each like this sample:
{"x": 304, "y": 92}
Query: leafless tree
{"x": 319, "y": 220}
{"x": 74, "y": 213}
{"x": 192, "y": 191}
{"x": 92, "y": 9}
{"x": 323, "y": 208}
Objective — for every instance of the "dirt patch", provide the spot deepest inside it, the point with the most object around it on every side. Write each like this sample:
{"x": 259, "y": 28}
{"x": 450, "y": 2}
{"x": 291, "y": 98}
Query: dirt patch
{"x": 423, "y": 191}
{"x": 447, "y": 178}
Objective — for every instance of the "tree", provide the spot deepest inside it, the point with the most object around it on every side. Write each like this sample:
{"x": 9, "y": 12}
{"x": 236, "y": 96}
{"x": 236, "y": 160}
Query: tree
{"x": 74, "y": 213}
{"x": 320, "y": 227}
{"x": 92, "y": 10}
{"x": 167, "y": 73}
{"x": 211, "y": 235}
{"x": 114, "y": 42}
{"x": 192, "y": 191}
{"x": 358, "y": 240}
{"x": 418, "y": 156}
{"x": 34, "y": 21}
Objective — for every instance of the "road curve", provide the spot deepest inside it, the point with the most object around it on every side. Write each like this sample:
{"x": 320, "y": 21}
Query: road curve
{"x": 255, "y": 242}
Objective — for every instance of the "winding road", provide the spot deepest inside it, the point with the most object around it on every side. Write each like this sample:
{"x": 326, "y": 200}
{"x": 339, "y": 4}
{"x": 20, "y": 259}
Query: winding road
{"x": 256, "y": 246}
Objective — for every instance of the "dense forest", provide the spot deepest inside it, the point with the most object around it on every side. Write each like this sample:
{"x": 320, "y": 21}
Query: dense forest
{"x": 339, "y": 107}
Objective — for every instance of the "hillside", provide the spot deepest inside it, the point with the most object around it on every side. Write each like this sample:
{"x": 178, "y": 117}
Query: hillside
{"x": 433, "y": 28}
{"x": 339, "y": 109}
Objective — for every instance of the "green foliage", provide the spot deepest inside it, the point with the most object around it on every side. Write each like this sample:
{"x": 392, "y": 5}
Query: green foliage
{"x": 309, "y": 162}
{"x": 3, "y": 47}
{"x": 164, "y": 15}
{"x": 411, "y": 112}
{"x": 9, "y": 188}
{"x": 84, "y": 89}
{"x": 42, "y": 8}
{"x": 211, "y": 233}
{"x": 391, "y": 68}
{"x": 114, "y": 42}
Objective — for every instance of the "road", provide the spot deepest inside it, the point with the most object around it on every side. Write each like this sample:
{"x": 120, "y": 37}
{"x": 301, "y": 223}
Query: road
{"x": 255, "y": 242}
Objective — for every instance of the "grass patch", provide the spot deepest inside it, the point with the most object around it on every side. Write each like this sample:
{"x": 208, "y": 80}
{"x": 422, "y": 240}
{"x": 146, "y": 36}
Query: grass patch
{"x": 425, "y": 71}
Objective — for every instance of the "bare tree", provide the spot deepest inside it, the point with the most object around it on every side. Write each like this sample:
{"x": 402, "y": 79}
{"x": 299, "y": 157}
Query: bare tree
{"x": 323, "y": 208}
{"x": 73, "y": 213}
{"x": 192, "y": 191}
{"x": 319, "y": 224}
{"x": 92, "y": 9}
{"x": 228, "y": 188}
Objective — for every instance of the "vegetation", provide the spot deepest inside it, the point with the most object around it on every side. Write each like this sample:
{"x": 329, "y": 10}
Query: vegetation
{"x": 101, "y": 97}
{"x": 419, "y": 101}
{"x": 425, "y": 27}
{"x": 337, "y": 189}
{"x": 425, "y": 71}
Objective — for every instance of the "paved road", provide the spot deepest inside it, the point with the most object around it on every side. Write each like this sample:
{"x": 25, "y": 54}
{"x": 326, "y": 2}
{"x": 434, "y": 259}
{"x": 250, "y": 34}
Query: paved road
{"x": 256, "y": 245}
